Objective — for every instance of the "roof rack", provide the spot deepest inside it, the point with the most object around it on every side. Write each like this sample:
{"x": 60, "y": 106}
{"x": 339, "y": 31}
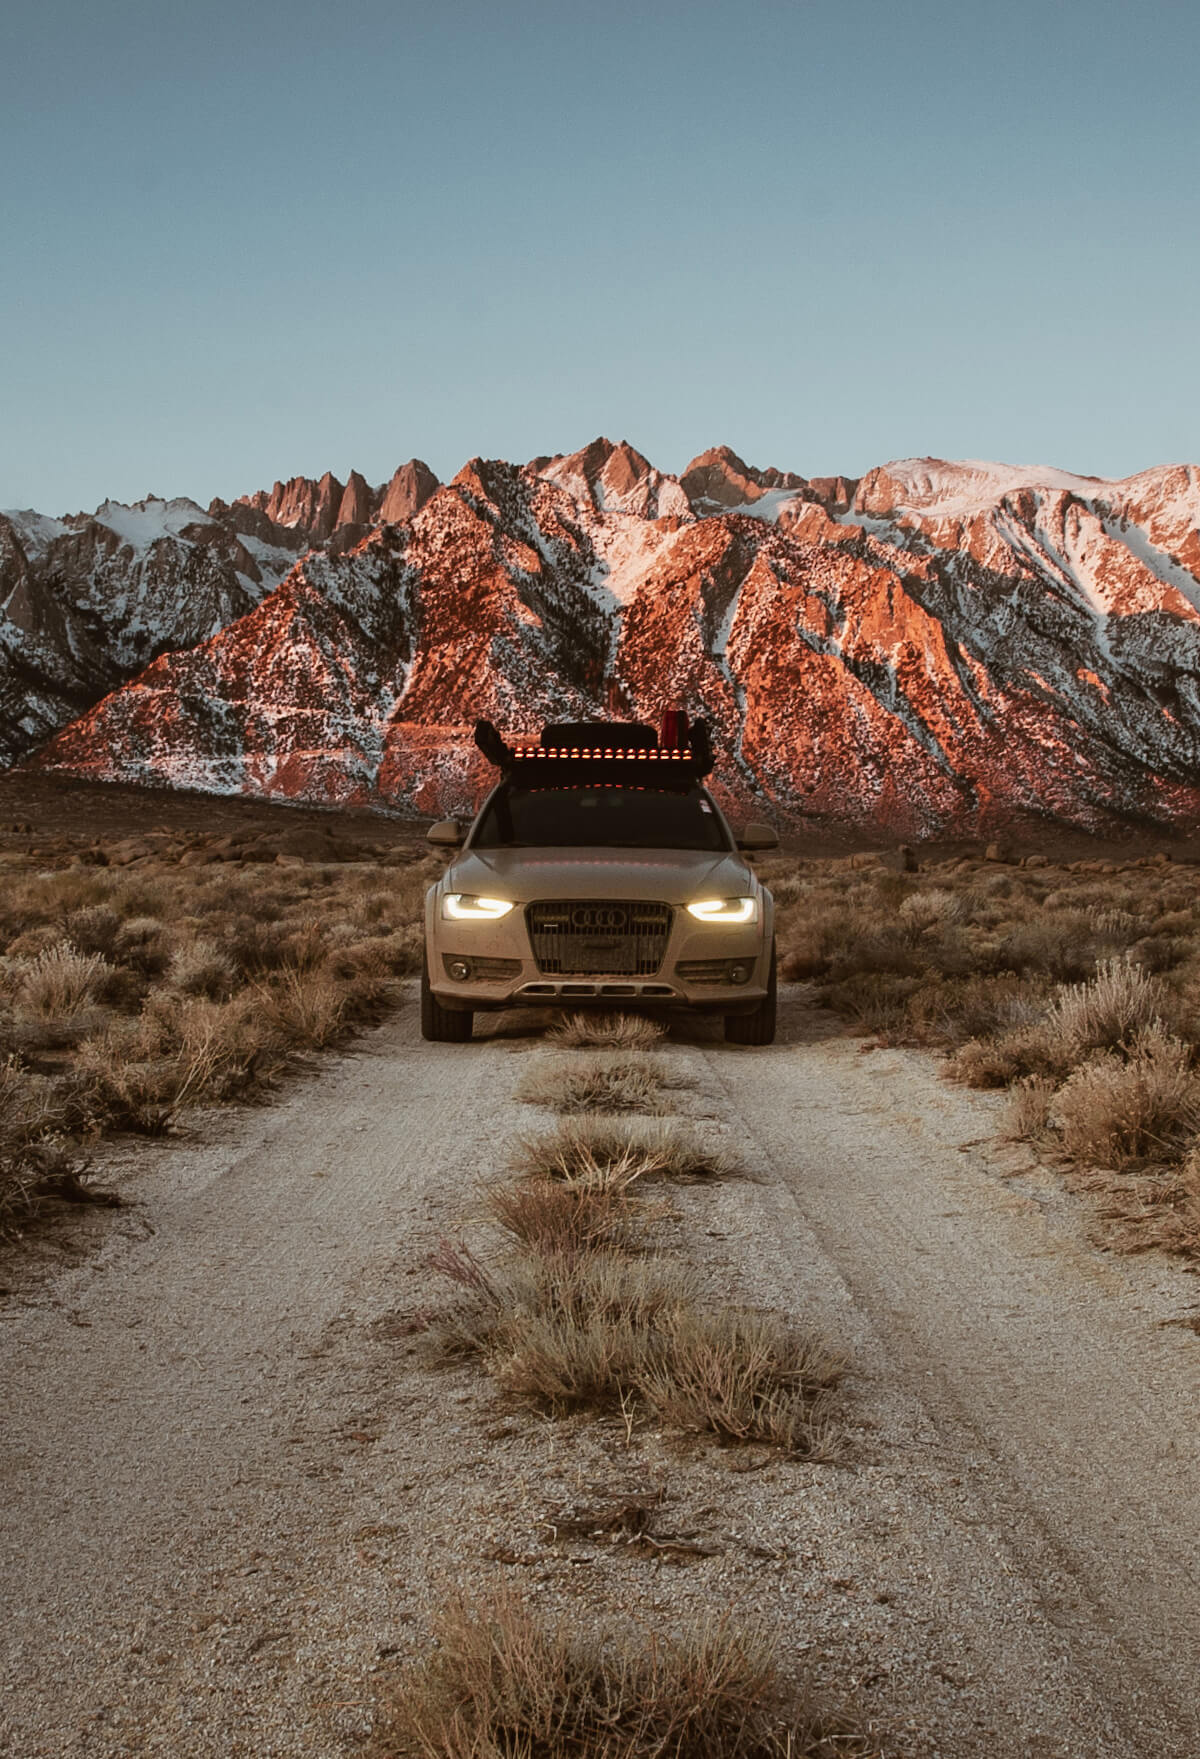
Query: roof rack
{"x": 577, "y": 754}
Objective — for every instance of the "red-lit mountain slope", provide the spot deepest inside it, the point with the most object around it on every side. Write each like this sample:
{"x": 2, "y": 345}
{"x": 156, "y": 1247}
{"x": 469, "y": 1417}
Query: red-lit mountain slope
{"x": 935, "y": 647}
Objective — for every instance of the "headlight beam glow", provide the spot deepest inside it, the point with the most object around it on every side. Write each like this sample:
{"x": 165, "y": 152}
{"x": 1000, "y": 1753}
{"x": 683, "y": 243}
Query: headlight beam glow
{"x": 463, "y": 907}
{"x": 724, "y": 910}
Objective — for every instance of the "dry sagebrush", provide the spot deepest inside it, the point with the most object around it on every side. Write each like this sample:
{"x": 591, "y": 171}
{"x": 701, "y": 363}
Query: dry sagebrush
{"x": 616, "y": 1082}
{"x": 502, "y": 1684}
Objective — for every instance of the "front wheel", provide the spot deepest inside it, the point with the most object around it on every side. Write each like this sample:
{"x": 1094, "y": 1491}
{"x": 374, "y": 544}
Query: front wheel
{"x": 442, "y": 1025}
{"x": 759, "y": 1027}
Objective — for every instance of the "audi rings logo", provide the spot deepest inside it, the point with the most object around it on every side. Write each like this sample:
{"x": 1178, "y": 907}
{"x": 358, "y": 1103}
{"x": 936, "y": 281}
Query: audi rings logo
{"x": 597, "y": 916}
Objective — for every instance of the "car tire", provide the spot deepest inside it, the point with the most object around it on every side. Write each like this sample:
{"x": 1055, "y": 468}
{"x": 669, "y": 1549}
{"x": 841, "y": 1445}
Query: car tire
{"x": 442, "y": 1025}
{"x": 758, "y": 1027}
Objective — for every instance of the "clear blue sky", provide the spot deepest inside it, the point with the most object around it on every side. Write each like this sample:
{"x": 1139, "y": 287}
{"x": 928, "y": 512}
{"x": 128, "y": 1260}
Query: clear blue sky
{"x": 242, "y": 242}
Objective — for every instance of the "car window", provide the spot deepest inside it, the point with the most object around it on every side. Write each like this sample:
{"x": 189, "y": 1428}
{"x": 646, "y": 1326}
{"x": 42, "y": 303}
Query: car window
{"x": 609, "y": 818}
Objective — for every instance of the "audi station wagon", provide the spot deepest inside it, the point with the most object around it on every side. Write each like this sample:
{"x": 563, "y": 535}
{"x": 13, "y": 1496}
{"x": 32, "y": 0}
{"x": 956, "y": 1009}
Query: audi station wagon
{"x": 599, "y": 871}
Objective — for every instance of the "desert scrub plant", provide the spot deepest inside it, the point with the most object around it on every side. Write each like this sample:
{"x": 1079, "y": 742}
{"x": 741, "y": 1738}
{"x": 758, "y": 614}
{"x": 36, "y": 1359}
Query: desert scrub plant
{"x": 935, "y": 908}
{"x": 499, "y": 1683}
{"x": 595, "y": 1212}
{"x": 742, "y": 1377}
{"x": 559, "y": 1331}
{"x": 1029, "y": 1103}
{"x": 954, "y": 1010}
{"x": 1109, "y": 1010}
{"x": 35, "y": 1162}
{"x": 200, "y": 968}
{"x": 60, "y": 982}
{"x": 303, "y": 1007}
{"x": 620, "y": 1082}
{"x": 590, "y": 1330}
{"x": 1022, "y": 1052}
{"x": 587, "y": 1147}
{"x": 1119, "y": 1110}
{"x": 606, "y": 1031}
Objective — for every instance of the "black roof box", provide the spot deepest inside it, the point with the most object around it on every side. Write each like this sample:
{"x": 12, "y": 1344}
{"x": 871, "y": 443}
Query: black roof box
{"x": 628, "y": 735}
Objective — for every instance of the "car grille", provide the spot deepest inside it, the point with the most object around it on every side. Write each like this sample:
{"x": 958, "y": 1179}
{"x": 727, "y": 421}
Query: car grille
{"x": 616, "y": 936}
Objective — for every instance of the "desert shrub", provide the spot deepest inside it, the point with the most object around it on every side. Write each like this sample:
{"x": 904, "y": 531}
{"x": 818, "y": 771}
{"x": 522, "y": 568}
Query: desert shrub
{"x": 742, "y": 1377}
{"x": 1160, "y": 952}
{"x": 1062, "y": 944}
{"x": 930, "y": 909}
{"x": 60, "y": 982}
{"x": 201, "y": 968}
{"x": 1029, "y": 1104}
{"x": 39, "y": 938}
{"x": 607, "y": 1031}
{"x": 879, "y": 951}
{"x": 583, "y": 1148}
{"x": 877, "y": 1000}
{"x": 1118, "y": 925}
{"x": 563, "y": 1331}
{"x": 94, "y": 929}
{"x": 960, "y": 1009}
{"x": 303, "y": 1007}
{"x": 571, "y": 1330}
{"x": 558, "y": 1218}
{"x": 1013, "y": 1055}
{"x": 1109, "y": 1010}
{"x": 141, "y": 944}
{"x": 616, "y": 1083}
{"x": 501, "y": 1684}
{"x": 257, "y": 947}
{"x": 1119, "y": 1109}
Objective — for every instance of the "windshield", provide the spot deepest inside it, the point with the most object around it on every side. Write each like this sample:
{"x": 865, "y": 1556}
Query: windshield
{"x": 606, "y": 818}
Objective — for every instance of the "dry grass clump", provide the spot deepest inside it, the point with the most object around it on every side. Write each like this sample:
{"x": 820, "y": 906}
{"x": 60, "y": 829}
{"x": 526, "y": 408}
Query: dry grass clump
{"x": 1109, "y": 1010}
{"x": 1119, "y": 1111}
{"x": 500, "y": 1683}
{"x": 594, "y": 1212}
{"x": 35, "y": 1159}
{"x": 621, "y": 1082}
{"x": 200, "y": 968}
{"x": 742, "y": 1377}
{"x": 59, "y": 982}
{"x": 1029, "y": 1104}
{"x": 627, "y": 1032}
{"x": 586, "y": 1148}
{"x": 566, "y": 1331}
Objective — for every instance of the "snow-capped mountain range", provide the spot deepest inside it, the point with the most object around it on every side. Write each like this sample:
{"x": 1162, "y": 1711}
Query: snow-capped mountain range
{"x": 933, "y": 648}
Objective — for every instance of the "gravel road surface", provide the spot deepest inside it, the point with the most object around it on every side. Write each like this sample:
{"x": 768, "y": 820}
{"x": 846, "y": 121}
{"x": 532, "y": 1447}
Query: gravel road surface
{"x": 232, "y": 1485}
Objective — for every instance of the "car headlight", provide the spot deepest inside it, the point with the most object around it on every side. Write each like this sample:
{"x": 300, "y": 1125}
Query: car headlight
{"x": 725, "y": 910}
{"x": 461, "y": 907}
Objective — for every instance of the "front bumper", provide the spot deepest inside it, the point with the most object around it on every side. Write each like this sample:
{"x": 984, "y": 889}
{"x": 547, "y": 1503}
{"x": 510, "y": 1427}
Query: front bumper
{"x": 503, "y": 973}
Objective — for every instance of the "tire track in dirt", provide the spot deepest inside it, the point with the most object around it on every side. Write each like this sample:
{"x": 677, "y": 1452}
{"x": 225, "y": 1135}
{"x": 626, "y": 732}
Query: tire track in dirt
{"x": 1072, "y": 1413}
{"x": 164, "y": 1404}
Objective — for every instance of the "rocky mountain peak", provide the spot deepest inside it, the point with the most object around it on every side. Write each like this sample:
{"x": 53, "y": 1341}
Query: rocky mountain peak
{"x": 407, "y": 492}
{"x": 718, "y": 480}
{"x": 357, "y": 502}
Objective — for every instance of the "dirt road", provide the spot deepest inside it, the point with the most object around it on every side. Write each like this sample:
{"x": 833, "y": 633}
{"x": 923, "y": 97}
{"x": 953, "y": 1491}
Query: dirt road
{"x": 231, "y": 1486}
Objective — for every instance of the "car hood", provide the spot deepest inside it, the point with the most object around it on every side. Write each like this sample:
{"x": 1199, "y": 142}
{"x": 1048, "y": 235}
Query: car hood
{"x": 672, "y": 876}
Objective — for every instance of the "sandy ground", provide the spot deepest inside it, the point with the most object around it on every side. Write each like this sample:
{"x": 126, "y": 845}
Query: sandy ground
{"x": 233, "y": 1486}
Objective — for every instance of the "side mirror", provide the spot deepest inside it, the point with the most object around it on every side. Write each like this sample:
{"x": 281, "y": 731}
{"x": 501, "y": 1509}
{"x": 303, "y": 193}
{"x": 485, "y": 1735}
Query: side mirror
{"x": 446, "y": 833}
{"x": 757, "y": 836}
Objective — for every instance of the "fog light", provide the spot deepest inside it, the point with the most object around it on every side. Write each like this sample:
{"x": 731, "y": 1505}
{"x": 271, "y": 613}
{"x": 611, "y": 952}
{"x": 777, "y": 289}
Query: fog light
{"x": 459, "y": 970}
{"x": 739, "y": 973}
